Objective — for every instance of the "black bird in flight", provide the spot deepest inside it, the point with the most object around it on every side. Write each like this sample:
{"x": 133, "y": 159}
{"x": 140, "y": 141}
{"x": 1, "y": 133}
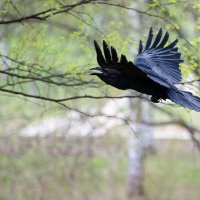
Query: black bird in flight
{"x": 155, "y": 70}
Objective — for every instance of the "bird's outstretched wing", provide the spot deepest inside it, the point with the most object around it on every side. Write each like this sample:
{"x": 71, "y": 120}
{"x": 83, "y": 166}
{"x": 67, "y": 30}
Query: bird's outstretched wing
{"x": 158, "y": 61}
{"x": 111, "y": 60}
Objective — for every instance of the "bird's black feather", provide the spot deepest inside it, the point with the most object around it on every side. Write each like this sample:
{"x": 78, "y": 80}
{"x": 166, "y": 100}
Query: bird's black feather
{"x": 157, "y": 39}
{"x": 114, "y": 54}
{"x": 100, "y": 59}
{"x": 140, "y": 47}
{"x": 164, "y": 41}
{"x": 149, "y": 39}
{"x": 123, "y": 59}
{"x": 107, "y": 52}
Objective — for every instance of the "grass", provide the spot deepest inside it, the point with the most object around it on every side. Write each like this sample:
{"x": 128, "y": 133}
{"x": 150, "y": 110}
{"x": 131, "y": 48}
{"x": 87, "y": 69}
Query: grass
{"x": 93, "y": 168}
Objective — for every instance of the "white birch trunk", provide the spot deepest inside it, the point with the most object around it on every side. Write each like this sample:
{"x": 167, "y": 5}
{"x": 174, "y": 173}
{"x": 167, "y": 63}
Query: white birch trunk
{"x": 139, "y": 144}
{"x": 141, "y": 141}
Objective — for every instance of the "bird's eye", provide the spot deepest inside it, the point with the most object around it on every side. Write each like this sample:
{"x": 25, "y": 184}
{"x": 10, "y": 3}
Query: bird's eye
{"x": 111, "y": 80}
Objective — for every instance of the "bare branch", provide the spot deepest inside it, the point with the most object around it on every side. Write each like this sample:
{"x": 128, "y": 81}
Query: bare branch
{"x": 192, "y": 130}
{"x": 43, "y": 15}
{"x": 69, "y": 98}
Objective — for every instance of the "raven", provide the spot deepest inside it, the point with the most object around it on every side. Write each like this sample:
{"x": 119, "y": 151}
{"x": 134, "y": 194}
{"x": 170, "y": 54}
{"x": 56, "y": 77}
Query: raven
{"x": 155, "y": 70}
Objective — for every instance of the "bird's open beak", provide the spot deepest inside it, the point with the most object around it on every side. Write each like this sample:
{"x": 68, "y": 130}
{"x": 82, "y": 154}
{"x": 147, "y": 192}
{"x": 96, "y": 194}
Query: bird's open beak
{"x": 99, "y": 69}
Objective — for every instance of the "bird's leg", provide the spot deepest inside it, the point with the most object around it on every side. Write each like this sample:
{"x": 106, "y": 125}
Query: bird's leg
{"x": 155, "y": 99}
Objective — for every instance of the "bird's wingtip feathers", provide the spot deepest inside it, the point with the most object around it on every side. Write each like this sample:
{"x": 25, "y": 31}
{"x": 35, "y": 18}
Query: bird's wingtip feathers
{"x": 140, "y": 49}
{"x": 95, "y": 43}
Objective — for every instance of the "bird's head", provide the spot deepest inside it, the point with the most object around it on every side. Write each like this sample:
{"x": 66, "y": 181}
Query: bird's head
{"x": 110, "y": 76}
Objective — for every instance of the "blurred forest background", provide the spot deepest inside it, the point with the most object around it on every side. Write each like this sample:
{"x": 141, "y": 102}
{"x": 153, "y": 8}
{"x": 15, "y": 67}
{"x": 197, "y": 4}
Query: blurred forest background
{"x": 65, "y": 135}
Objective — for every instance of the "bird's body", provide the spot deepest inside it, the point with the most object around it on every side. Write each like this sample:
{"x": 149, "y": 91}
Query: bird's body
{"x": 151, "y": 88}
{"x": 155, "y": 71}
{"x": 137, "y": 83}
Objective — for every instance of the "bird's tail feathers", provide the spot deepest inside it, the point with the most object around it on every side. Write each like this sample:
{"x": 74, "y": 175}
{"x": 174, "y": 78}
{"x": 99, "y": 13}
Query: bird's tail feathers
{"x": 185, "y": 99}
